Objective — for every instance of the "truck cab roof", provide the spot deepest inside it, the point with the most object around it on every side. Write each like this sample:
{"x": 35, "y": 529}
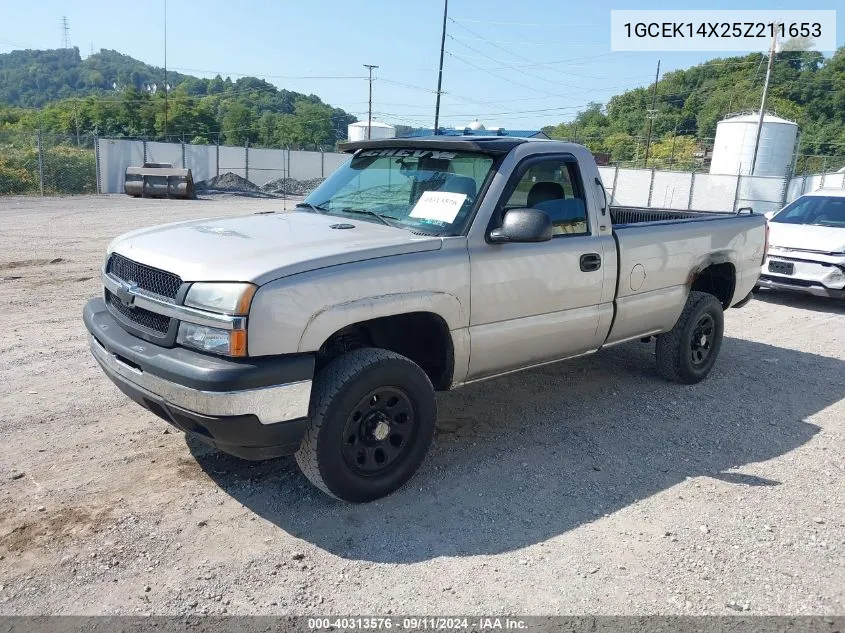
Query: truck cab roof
{"x": 486, "y": 144}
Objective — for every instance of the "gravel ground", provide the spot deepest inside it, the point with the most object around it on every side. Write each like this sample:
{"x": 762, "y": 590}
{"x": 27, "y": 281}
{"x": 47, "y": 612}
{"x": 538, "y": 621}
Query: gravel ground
{"x": 586, "y": 487}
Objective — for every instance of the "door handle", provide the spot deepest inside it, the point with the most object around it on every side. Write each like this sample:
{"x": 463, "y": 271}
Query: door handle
{"x": 590, "y": 262}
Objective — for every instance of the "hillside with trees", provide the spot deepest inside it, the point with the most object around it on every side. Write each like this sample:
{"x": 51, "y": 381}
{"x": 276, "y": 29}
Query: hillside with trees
{"x": 805, "y": 87}
{"x": 114, "y": 95}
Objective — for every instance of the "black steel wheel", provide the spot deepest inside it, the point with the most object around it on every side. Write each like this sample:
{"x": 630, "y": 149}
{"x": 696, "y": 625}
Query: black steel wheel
{"x": 379, "y": 431}
{"x": 688, "y": 351}
{"x": 370, "y": 424}
{"x": 701, "y": 342}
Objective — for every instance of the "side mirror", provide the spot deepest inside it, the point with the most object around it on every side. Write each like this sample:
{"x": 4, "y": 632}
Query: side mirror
{"x": 769, "y": 214}
{"x": 523, "y": 225}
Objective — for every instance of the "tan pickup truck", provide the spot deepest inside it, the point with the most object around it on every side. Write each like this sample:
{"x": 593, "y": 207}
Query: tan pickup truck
{"x": 419, "y": 265}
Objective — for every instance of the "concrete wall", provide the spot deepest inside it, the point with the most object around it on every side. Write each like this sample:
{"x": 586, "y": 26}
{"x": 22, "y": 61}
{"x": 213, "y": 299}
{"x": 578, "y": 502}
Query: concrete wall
{"x": 260, "y": 166}
{"x": 630, "y": 187}
{"x": 113, "y": 157}
{"x": 709, "y": 192}
{"x": 266, "y": 165}
{"x": 671, "y": 189}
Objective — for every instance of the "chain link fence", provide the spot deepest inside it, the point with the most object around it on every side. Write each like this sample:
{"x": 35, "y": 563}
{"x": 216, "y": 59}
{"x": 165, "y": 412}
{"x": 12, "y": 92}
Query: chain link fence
{"x": 47, "y": 164}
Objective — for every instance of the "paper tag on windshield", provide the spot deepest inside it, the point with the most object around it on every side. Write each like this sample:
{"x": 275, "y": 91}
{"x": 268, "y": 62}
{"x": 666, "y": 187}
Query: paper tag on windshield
{"x": 440, "y": 206}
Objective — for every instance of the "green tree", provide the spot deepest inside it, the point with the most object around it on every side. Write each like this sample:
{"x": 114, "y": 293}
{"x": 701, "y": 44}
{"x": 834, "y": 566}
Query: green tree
{"x": 238, "y": 124}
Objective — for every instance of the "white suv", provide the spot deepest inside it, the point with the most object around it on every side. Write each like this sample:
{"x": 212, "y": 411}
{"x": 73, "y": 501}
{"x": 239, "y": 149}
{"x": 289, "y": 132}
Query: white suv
{"x": 807, "y": 245}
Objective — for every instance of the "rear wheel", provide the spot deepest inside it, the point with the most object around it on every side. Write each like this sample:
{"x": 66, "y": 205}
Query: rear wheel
{"x": 371, "y": 422}
{"x": 687, "y": 353}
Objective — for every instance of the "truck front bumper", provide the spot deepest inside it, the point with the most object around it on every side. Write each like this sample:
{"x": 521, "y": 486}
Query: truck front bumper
{"x": 253, "y": 408}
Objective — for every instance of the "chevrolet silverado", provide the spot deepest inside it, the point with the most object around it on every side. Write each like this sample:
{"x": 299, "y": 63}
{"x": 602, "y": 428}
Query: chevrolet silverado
{"x": 419, "y": 265}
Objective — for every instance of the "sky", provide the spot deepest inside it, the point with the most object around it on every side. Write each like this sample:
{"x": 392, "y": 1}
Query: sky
{"x": 517, "y": 65}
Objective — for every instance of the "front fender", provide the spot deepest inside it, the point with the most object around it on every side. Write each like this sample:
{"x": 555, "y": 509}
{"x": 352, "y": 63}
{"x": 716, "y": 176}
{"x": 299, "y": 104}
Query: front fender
{"x": 338, "y": 316}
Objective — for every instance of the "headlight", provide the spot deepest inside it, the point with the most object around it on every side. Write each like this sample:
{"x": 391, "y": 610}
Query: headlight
{"x": 212, "y": 339}
{"x": 225, "y": 298}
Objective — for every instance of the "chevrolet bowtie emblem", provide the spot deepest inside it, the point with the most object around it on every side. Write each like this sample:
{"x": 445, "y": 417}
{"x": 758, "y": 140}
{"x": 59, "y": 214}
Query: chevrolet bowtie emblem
{"x": 126, "y": 293}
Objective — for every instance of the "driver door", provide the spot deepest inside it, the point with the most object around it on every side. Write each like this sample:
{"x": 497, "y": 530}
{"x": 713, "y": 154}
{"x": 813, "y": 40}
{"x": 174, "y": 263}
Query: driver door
{"x": 536, "y": 302}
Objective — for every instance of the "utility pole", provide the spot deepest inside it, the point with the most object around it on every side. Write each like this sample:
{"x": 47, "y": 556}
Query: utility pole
{"x": 65, "y": 32}
{"x": 763, "y": 101}
{"x": 674, "y": 138}
{"x": 440, "y": 72}
{"x": 76, "y": 118}
{"x": 651, "y": 113}
{"x": 165, "y": 71}
{"x": 370, "y": 111}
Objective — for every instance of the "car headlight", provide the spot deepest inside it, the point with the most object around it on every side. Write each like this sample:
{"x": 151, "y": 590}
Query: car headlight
{"x": 225, "y": 298}
{"x": 222, "y": 298}
{"x": 211, "y": 339}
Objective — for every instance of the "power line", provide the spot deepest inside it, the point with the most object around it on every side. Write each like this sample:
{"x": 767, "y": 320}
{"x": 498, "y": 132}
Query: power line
{"x": 517, "y": 69}
{"x": 513, "y": 54}
{"x": 228, "y": 73}
{"x": 530, "y": 43}
{"x": 580, "y": 90}
{"x": 411, "y": 86}
{"x": 505, "y": 79}
{"x": 543, "y": 64}
{"x": 546, "y": 24}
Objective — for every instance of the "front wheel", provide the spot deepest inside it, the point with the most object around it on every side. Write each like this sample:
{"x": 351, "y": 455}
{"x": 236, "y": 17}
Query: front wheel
{"x": 371, "y": 422}
{"x": 688, "y": 351}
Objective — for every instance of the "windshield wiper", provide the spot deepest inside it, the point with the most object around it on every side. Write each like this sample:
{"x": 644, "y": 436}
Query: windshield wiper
{"x": 313, "y": 207}
{"x": 388, "y": 220}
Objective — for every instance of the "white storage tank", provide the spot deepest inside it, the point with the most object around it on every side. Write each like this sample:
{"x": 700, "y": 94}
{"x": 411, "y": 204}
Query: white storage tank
{"x": 733, "y": 148}
{"x": 358, "y": 131}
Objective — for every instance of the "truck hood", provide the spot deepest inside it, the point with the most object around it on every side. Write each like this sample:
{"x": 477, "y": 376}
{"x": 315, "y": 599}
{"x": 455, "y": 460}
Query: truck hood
{"x": 261, "y": 248}
{"x": 804, "y": 237}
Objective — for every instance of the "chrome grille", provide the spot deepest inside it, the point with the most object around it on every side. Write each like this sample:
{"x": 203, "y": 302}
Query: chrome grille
{"x": 138, "y": 316}
{"x": 151, "y": 279}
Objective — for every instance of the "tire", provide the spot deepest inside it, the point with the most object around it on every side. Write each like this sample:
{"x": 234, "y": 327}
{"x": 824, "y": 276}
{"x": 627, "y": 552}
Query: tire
{"x": 371, "y": 421}
{"x": 688, "y": 351}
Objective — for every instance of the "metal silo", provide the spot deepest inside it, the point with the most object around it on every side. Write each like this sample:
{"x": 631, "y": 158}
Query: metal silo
{"x": 733, "y": 148}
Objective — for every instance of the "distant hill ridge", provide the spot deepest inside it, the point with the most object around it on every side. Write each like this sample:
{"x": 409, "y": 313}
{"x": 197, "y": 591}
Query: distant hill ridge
{"x": 32, "y": 78}
{"x": 116, "y": 95}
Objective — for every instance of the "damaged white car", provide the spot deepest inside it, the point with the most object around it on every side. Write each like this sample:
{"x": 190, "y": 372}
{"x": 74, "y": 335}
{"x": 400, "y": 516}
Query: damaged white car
{"x": 807, "y": 246}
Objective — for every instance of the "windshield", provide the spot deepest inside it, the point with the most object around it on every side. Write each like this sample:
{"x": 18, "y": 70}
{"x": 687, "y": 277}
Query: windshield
{"x": 814, "y": 210}
{"x": 430, "y": 191}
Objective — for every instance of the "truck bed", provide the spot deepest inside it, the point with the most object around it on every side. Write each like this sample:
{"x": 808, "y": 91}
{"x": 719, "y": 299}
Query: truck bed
{"x": 626, "y": 216}
{"x": 659, "y": 249}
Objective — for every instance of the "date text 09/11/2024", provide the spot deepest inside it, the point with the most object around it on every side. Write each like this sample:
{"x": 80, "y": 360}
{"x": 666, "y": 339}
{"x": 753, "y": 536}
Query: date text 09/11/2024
{"x": 418, "y": 623}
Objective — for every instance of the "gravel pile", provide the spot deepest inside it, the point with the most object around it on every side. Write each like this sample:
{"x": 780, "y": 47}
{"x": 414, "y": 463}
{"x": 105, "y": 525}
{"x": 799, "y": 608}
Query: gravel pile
{"x": 227, "y": 182}
{"x": 292, "y": 186}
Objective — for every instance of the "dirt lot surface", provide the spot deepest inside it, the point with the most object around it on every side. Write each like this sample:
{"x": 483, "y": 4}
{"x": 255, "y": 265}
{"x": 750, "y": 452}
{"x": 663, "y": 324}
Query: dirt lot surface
{"x": 586, "y": 487}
